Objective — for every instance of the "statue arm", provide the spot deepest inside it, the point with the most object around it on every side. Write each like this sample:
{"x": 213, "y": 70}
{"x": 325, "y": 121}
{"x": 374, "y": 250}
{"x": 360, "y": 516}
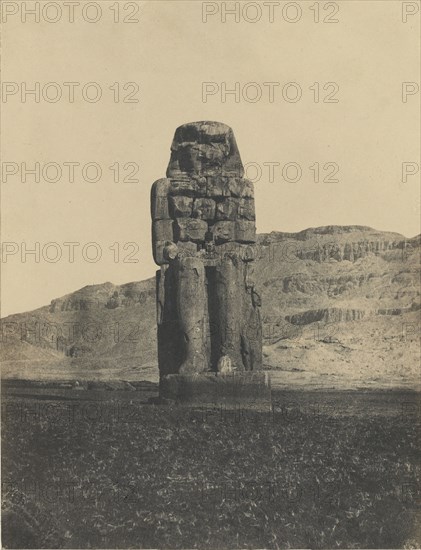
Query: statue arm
{"x": 162, "y": 223}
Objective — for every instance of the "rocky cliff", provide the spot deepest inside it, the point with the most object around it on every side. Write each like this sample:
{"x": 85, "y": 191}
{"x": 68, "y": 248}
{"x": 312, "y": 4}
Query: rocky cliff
{"x": 351, "y": 287}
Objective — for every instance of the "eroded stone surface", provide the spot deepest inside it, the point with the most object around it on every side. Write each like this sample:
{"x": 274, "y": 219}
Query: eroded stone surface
{"x": 181, "y": 206}
{"x": 223, "y": 231}
{"x": 191, "y": 229}
{"x": 203, "y": 233}
{"x": 204, "y": 209}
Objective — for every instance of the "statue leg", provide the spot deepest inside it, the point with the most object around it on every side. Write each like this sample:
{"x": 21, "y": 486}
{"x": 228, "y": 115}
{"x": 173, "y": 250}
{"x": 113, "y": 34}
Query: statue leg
{"x": 170, "y": 356}
{"x": 230, "y": 289}
{"x": 251, "y": 334}
{"x": 191, "y": 300}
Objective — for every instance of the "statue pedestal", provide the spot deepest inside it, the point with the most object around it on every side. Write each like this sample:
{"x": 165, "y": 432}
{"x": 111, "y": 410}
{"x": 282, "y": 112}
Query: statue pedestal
{"x": 248, "y": 389}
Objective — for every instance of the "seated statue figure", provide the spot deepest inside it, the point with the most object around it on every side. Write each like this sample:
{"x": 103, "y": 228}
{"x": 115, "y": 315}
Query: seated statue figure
{"x": 203, "y": 235}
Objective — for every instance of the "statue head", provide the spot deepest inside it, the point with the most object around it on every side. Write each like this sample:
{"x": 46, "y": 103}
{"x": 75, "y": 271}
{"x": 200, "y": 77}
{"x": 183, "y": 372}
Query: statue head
{"x": 205, "y": 149}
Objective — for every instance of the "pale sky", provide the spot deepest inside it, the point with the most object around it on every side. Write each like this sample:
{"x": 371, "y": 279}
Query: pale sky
{"x": 170, "y": 53}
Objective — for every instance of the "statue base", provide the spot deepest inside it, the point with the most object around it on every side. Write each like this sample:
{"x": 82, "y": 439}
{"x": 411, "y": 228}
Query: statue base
{"x": 247, "y": 389}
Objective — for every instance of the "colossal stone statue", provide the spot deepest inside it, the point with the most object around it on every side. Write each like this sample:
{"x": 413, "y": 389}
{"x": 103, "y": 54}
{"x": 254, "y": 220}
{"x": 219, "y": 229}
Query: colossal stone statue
{"x": 203, "y": 235}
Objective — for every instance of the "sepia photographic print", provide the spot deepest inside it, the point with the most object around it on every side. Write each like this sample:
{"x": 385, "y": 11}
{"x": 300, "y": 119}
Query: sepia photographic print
{"x": 210, "y": 274}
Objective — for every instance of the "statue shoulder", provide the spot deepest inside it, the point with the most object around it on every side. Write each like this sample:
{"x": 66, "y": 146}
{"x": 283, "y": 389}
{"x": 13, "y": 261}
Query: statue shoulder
{"x": 160, "y": 187}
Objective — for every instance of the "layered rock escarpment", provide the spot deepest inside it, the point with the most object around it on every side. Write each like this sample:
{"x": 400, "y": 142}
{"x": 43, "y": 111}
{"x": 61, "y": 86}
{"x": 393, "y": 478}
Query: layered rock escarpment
{"x": 328, "y": 315}
{"x": 203, "y": 238}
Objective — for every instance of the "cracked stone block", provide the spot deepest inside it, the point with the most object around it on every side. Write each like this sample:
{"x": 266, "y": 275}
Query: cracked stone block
{"x": 227, "y": 209}
{"x": 246, "y": 209}
{"x": 200, "y": 185}
{"x": 187, "y": 248}
{"x": 191, "y": 187}
{"x": 181, "y": 206}
{"x": 235, "y": 208}
{"x": 217, "y": 186}
{"x": 246, "y": 252}
{"x": 191, "y": 229}
{"x": 239, "y": 187}
{"x": 204, "y": 209}
{"x": 245, "y": 231}
{"x": 223, "y": 231}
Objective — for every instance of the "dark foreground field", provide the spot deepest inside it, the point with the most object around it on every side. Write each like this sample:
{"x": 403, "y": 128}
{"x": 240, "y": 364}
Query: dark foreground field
{"x": 104, "y": 469}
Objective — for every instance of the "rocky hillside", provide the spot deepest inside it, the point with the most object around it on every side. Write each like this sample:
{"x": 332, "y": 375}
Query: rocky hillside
{"x": 355, "y": 271}
{"x": 338, "y": 302}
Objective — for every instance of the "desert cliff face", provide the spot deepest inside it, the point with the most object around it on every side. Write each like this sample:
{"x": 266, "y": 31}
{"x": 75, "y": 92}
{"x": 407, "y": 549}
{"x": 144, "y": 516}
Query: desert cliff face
{"x": 340, "y": 307}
